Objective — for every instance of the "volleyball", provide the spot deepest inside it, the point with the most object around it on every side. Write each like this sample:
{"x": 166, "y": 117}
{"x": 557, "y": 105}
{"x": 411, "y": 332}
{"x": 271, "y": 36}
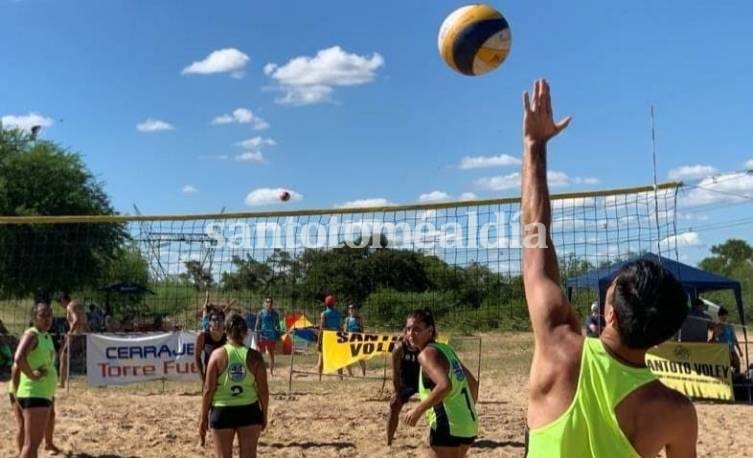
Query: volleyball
{"x": 474, "y": 39}
{"x": 284, "y": 196}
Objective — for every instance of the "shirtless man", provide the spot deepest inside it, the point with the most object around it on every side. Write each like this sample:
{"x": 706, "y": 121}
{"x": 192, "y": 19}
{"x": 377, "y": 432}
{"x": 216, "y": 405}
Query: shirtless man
{"x": 77, "y": 326}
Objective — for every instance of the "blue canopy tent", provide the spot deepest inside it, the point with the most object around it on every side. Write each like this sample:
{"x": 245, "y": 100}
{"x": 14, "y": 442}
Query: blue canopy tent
{"x": 694, "y": 280}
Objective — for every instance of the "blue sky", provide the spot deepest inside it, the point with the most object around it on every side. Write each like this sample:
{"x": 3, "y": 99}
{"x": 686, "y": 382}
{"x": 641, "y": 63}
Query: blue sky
{"x": 188, "y": 107}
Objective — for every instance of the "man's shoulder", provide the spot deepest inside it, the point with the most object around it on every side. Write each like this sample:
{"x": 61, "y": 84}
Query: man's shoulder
{"x": 668, "y": 400}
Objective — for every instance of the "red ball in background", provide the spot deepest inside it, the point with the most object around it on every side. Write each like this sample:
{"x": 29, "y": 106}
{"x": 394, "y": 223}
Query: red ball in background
{"x": 284, "y": 196}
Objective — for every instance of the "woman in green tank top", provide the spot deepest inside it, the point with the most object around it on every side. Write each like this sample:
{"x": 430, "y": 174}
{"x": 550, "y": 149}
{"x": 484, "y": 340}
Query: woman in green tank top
{"x": 36, "y": 378}
{"x": 18, "y": 414}
{"x": 447, "y": 389}
{"x": 236, "y": 393}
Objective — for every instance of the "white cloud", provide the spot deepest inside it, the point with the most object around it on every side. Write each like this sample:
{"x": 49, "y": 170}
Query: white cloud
{"x": 557, "y": 178}
{"x": 253, "y": 147}
{"x": 686, "y": 239}
{"x": 749, "y": 165}
{"x": 153, "y": 125}
{"x": 433, "y": 196}
{"x": 478, "y": 162}
{"x": 25, "y": 122}
{"x": 586, "y": 180}
{"x": 725, "y": 188}
{"x": 305, "y": 95}
{"x": 228, "y": 60}
{"x": 372, "y": 202}
{"x": 468, "y": 196}
{"x": 242, "y": 116}
{"x": 690, "y": 216}
{"x": 512, "y": 180}
{"x": 307, "y": 80}
{"x": 256, "y": 142}
{"x": 500, "y": 182}
{"x": 687, "y": 172}
{"x": 250, "y": 156}
{"x": 268, "y": 196}
{"x": 188, "y": 189}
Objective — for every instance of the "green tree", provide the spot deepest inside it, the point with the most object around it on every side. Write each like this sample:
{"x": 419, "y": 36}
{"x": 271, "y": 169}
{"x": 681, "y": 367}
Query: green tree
{"x": 733, "y": 259}
{"x": 40, "y": 178}
{"x": 128, "y": 265}
{"x": 247, "y": 274}
{"x": 197, "y": 275}
{"x": 728, "y": 257}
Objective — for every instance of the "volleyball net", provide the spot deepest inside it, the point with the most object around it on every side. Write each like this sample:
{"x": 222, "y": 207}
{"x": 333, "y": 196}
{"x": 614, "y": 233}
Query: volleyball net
{"x": 462, "y": 260}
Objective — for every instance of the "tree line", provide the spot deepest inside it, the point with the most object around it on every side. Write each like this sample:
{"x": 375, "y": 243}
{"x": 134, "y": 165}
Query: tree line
{"x": 41, "y": 178}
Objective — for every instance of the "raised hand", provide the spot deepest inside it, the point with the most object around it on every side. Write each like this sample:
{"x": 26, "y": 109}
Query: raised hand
{"x": 538, "y": 121}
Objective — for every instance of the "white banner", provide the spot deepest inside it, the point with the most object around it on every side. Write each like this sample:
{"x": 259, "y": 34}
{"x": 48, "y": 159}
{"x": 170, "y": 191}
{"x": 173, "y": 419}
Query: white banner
{"x": 119, "y": 360}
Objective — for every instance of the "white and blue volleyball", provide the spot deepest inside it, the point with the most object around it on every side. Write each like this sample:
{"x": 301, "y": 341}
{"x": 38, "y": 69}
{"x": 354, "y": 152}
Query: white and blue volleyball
{"x": 474, "y": 39}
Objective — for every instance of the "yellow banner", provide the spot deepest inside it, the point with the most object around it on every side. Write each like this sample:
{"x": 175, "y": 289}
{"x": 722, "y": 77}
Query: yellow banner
{"x": 700, "y": 370}
{"x": 341, "y": 349}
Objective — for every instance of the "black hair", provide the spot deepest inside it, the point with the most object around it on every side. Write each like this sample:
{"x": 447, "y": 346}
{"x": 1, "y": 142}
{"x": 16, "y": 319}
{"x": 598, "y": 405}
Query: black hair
{"x": 216, "y": 312}
{"x": 722, "y": 311}
{"x": 425, "y": 317}
{"x": 42, "y": 295}
{"x": 236, "y": 327}
{"x": 35, "y": 309}
{"x": 650, "y": 303}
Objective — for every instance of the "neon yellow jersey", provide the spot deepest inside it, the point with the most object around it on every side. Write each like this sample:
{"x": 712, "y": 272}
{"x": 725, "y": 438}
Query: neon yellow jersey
{"x": 42, "y": 357}
{"x": 589, "y": 427}
{"x": 456, "y": 413}
{"x": 236, "y": 386}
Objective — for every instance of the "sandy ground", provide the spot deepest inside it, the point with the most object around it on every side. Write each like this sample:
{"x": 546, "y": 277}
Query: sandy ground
{"x": 329, "y": 419}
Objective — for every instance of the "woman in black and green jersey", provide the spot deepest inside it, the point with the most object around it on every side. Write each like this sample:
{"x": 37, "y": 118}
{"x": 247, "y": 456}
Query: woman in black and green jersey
{"x": 447, "y": 389}
{"x": 236, "y": 389}
{"x": 37, "y": 378}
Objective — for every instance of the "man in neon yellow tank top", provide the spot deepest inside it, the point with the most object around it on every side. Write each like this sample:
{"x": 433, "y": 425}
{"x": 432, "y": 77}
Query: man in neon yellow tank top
{"x": 593, "y": 397}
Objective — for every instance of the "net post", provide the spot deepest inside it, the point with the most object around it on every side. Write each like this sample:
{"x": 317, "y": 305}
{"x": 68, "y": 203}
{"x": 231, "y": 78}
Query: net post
{"x": 69, "y": 344}
{"x": 384, "y": 376}
{"x": 478, "y": 374}
{"x": 290, "y": 372}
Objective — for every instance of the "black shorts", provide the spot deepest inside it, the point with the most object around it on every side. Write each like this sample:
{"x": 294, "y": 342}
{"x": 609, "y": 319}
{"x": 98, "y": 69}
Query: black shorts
{"x": 407, "y": 392}
{"x": 445, "y": 439}
{"x": 30, "y": 403}
{"x": 231, "y": 417}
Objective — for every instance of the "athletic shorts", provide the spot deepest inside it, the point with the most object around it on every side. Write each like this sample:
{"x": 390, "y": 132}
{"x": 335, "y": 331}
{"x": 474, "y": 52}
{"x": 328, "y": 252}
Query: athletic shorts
{"x": 407, "y": 392}
{"x": 30, "y": 403}
{"x": 445, "y": 439}
{"x": 266, "y": 344}
{"x": 231, "y": 417}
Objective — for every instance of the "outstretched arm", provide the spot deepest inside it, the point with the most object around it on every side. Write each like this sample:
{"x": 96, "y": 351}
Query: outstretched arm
{"x": 547, "y": 305}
